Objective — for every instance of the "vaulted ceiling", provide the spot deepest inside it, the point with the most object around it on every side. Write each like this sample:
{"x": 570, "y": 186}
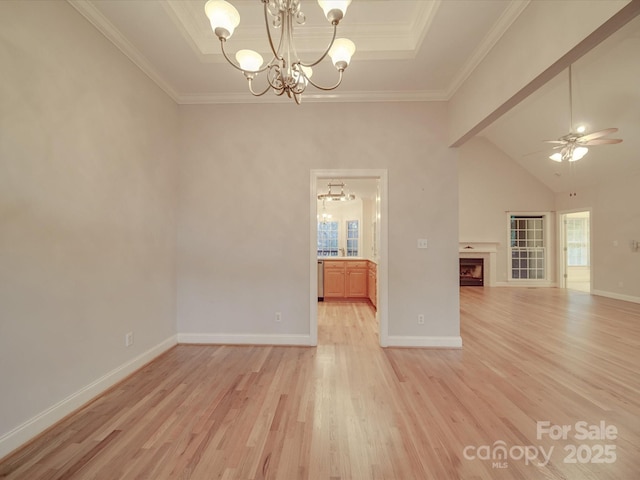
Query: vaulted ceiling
{"x": 406, "y": 51}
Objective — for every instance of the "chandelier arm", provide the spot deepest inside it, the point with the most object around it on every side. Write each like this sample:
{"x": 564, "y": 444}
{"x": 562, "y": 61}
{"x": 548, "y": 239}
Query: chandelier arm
{"x": 266, "y": 25}
{"x": 231, "y": 62}
{"x": 326, "y": 89}
{"x": 326, "y": 52}
{"x": 278, "y": 74}
{"x": 257, "y": 94}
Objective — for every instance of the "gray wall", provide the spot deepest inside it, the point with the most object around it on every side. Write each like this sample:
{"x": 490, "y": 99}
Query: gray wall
{"x": 243, "y": 233}
{"x": 492, "y": 184}
{"x": 87, "y": 215}
{"x": 615, "y": 221}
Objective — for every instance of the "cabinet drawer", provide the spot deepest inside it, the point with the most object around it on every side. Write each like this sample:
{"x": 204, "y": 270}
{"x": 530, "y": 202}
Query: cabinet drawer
{"x": 356, "y": 264}
{"x": 329, "y": 264}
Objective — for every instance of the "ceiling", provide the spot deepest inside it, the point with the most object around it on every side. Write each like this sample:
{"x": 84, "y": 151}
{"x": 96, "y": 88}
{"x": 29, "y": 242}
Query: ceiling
{"x": 436, "y": 44}
{"x": 606, "y": 93}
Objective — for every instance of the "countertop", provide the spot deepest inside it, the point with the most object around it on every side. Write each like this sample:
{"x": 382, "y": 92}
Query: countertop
{"x": 348, "y": 259}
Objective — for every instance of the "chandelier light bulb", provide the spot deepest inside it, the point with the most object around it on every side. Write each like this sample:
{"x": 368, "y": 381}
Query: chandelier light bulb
{"x": 249, "y": 60}
{"x": 223, "y": 16}
{"x": 341, "y": 52}
{"x": 556, "y": 157}
{"x": 297, "y": 77}
{"x": 308, "y": 71}
{"x": 286, "y": 72}
{"x": 334, "y": 10}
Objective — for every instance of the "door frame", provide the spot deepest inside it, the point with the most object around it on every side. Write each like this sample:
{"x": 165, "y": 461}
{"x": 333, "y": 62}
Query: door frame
{"x": 382, "y": 311}
{"x": 562, "y": 246}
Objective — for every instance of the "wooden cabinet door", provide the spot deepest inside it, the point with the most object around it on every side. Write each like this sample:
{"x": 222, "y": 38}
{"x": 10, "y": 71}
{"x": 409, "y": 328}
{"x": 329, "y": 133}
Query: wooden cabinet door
{"x": 357, "y": 282}
{"x": 334, "y": 282}
{"x": 372, "y": 287}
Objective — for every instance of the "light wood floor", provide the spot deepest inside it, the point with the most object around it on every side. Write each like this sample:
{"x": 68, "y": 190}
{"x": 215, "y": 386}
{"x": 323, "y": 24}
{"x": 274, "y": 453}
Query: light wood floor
{"x": 349, "y": 409}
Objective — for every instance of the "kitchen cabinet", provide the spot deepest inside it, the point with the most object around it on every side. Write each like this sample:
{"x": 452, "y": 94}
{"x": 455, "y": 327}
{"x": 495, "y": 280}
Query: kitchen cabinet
{"x": 346, "y": 279}
{"x": 372, "y": 286}
{"x": 356, "y": 281}
{"x": 334, "y": 278}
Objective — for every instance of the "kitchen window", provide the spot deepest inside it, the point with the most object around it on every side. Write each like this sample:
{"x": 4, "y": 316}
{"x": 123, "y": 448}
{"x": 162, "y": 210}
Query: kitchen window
{"x": 327, "y": 239}
{"x": 353, "y": 238}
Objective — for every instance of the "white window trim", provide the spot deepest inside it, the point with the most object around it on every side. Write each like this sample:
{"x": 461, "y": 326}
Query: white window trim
{"x": 546, "y": 223}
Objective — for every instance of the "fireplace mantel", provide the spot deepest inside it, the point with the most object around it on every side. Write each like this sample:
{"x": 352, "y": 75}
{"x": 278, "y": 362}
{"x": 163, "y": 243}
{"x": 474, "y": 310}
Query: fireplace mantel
{"x": 479, "y": 247}
{"x": 486, "y": 251}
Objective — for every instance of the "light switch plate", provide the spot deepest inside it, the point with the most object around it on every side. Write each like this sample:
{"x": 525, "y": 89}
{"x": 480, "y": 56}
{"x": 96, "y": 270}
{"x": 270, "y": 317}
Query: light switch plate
{"x": 422, "y": 243}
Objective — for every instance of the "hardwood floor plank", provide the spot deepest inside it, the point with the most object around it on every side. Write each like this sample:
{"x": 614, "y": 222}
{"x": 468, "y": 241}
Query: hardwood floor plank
{"x": 348, "y": 409}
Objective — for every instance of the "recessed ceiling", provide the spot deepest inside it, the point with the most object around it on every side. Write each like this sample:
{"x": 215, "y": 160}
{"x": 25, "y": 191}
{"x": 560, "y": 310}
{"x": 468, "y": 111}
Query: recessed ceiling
{"x": 406, "y": 50}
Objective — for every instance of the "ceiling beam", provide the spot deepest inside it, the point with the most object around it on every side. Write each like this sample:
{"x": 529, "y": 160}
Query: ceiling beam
{"x": 604, "y": 31}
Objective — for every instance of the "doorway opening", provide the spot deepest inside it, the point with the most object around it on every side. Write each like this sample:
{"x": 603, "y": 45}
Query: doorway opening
{"x": 370, "y": 187}
{"x": 575, "y": 238}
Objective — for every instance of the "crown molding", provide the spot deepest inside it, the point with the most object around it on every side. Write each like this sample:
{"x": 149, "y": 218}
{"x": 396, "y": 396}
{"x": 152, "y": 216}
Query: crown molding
{"x": 388, "y": 43}
{"x": 95, "y": 17}
{"x": 511, "y": 13}
{"x": 342, "y": 97}
{"x": 422, "y": 23}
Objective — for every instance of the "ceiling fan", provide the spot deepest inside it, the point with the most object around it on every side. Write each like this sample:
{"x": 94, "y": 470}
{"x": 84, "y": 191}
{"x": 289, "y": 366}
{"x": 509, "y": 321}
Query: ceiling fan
{"x": 573, "y": 146}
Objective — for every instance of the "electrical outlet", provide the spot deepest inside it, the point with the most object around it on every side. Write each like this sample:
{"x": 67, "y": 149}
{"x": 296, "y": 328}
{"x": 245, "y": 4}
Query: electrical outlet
{"x": 128, "y": 339}
{"x": 278, "y": 316}
{"x": 422, "y": 243}
{"x": 420, "y": 319}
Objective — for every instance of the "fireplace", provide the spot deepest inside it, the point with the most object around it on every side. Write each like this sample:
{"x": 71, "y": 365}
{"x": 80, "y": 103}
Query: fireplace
{"x": 471, "y": 272}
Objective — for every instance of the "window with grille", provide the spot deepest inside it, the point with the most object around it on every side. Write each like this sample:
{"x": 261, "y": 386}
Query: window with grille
{"x": 353, "y": 237}
{"x": 327, "y": 239}
{"x": 527, "y": 247}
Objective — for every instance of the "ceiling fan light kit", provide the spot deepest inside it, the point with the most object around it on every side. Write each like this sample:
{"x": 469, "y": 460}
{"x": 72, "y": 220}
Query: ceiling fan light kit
{"x": 285, "y": 72}
{"x": 570, "y": 153}
{"x": 574, "y": 145}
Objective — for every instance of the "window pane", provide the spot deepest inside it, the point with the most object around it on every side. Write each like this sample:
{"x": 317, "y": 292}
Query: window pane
{"x": 353, "y": 235}
{"x": 527, "y": 247}
{"x": 327, "y": 239}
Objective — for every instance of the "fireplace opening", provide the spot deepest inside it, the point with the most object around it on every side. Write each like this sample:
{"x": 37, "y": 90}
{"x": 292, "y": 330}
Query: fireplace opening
{"x": 471, "y": 272}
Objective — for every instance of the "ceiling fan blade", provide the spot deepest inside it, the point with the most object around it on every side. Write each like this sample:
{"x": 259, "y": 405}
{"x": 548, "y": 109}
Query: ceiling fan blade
{"x": 602, "y": 141}
{"x": 555, "y": 141}
{"x": 598, "y": 134}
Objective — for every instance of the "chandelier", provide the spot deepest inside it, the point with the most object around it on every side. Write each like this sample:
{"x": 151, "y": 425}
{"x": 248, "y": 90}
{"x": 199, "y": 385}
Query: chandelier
{"x": 336, "y": 197}
{"x": 285, "y": 73}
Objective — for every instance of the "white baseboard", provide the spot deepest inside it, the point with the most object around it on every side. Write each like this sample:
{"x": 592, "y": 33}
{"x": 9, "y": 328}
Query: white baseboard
{"x": 20, "y": 435}
{"x": 424, "y": 342}
{"x": 526, "y": 284}
{"x": 617, "y": 296}
{"x": 242, "y": 339}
